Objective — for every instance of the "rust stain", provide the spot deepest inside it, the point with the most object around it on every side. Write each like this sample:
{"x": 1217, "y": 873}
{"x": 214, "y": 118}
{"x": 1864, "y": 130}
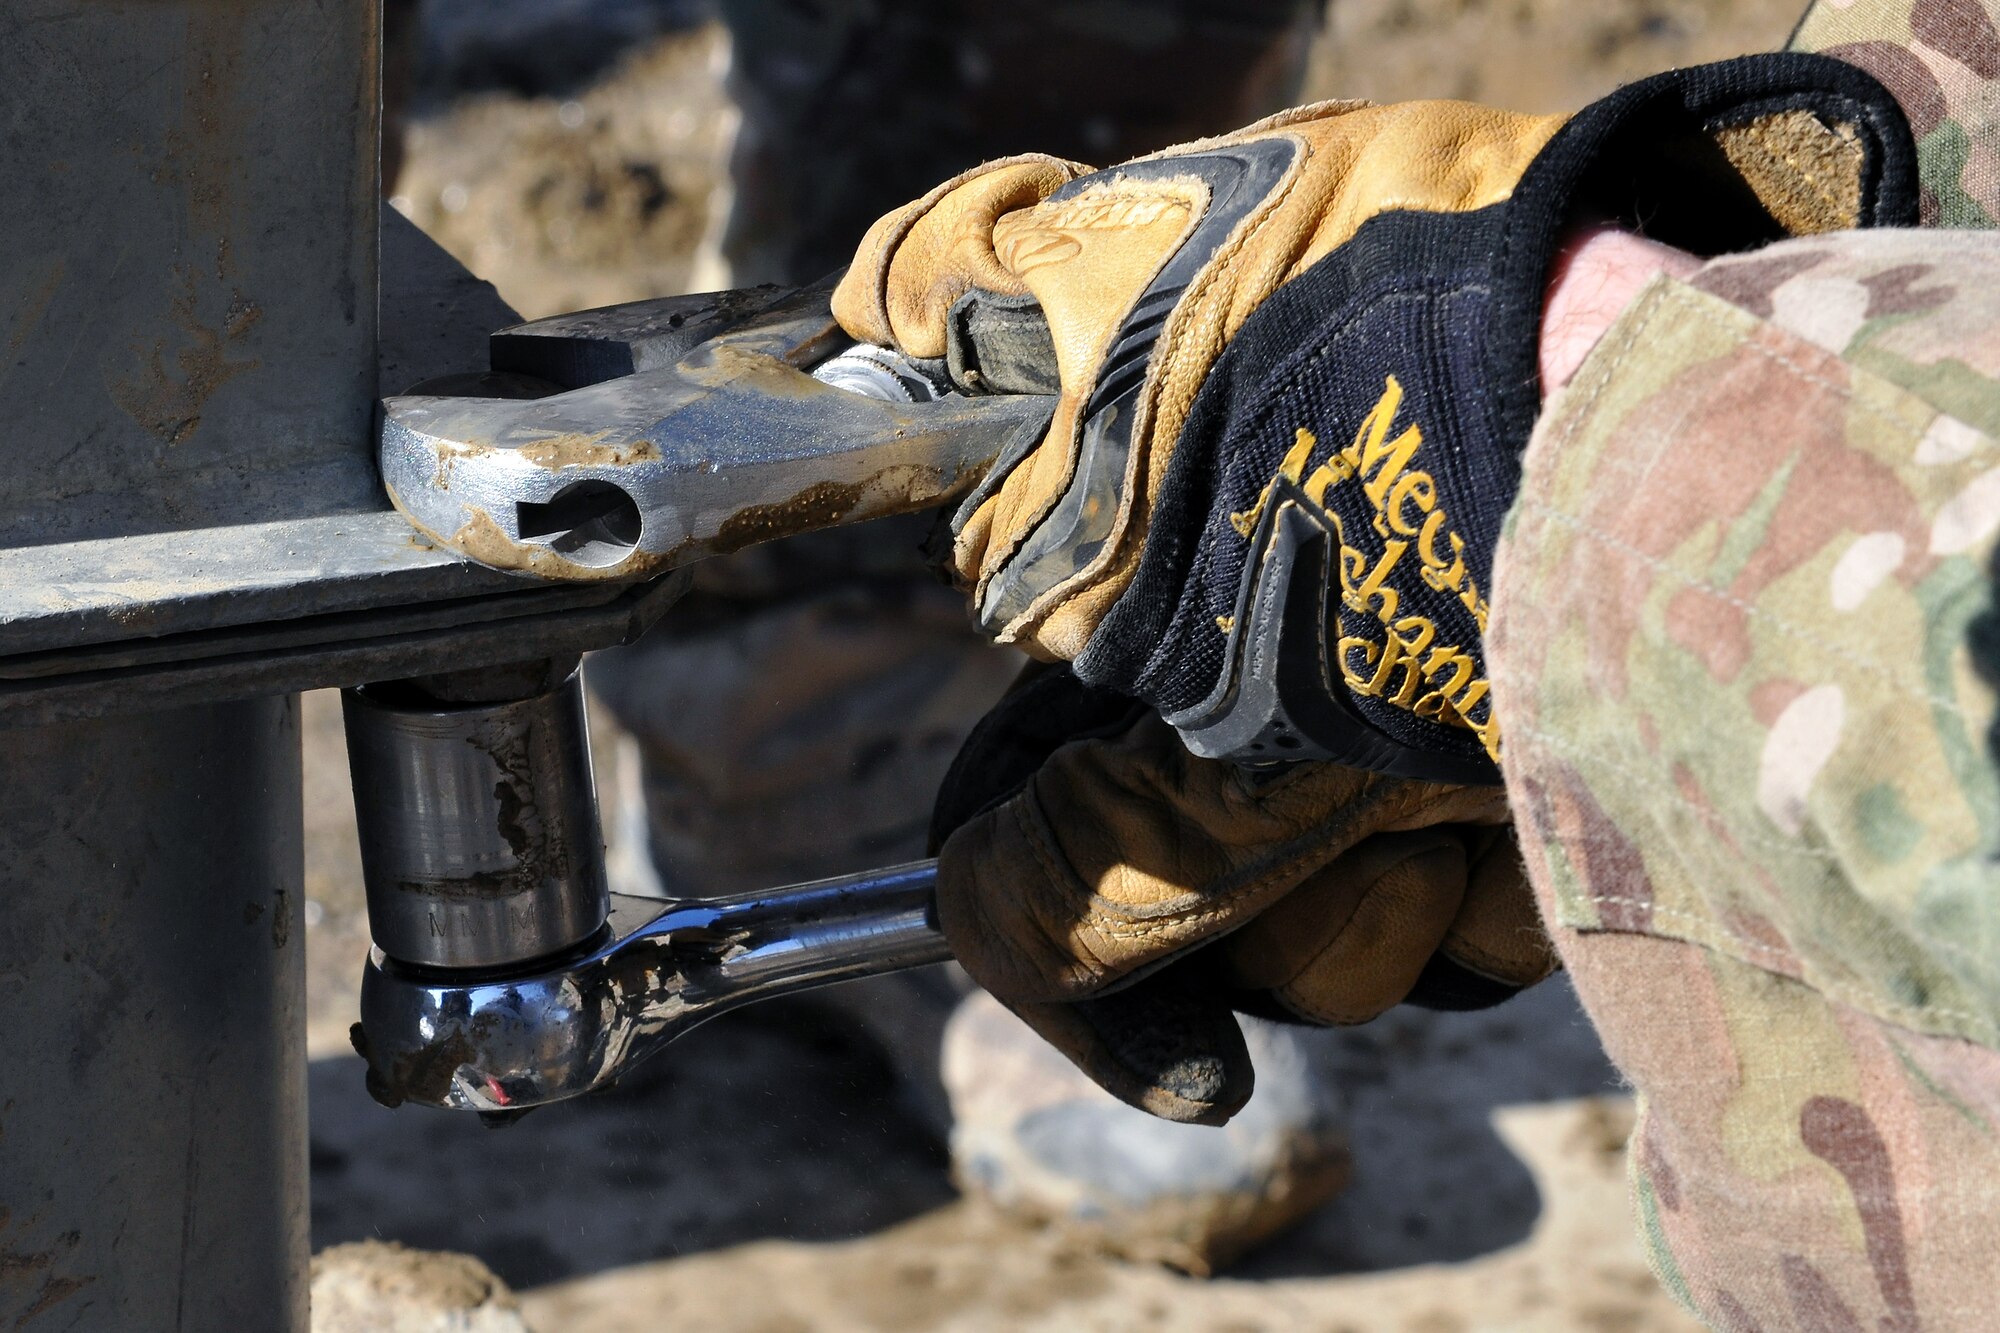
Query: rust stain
{"x": 33, "y": 310}
{"x": 29, "y": 1285}
{"x": 168, "y": 394}
{"x": 553, "y": 452}
{"x": 723, "y": 363}
{"x": 820, "y": 505}
{"x": 895, "y": 489}
{"x": 139, "y": 616}
{"x": 201, "y": 150}
{"x": 561, "y": 451}
{"x": 482, "y": 540}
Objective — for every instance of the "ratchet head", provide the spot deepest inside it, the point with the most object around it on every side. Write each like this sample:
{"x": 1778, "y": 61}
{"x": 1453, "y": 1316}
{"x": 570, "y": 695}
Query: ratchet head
{"x": 503, "y": 1040}
{"x": 675, "y": 429}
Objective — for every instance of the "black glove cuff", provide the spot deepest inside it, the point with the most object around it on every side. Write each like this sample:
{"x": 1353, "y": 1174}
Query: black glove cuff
{"x": 1315, "y": 578}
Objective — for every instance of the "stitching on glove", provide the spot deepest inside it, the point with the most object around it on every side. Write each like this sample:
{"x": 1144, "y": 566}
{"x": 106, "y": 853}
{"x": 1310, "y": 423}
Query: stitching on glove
{"x": 882, "y": 259}
{"x": 1326, "y": 1016}
{"x": 1330, "y": 108}
{"x": 1488, "y": 964}
{"x": 1124, "y": 927}
{"x": 1116, "y": 926}
{"x": 1033, "y": 822}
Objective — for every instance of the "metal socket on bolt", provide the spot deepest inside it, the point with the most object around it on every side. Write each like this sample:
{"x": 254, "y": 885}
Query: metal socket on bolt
{"x": 479, "y": 833}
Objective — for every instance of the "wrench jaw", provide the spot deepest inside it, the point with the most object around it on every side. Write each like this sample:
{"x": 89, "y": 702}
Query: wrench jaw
{"x": 729, "y": 442}
{"x": 549, "y": 1031}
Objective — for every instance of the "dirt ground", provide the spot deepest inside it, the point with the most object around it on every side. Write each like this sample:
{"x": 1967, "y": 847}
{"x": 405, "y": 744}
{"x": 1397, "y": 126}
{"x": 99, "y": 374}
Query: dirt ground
{"x": 762, "y": 1178}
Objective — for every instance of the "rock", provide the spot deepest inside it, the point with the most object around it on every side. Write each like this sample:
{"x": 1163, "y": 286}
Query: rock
{"x": 380, "y": 1287}
{"x": 1036, "y": 1138}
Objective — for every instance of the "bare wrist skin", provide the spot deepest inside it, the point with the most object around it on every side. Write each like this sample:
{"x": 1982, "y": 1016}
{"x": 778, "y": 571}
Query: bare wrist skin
{"x": 1600, "y": 269}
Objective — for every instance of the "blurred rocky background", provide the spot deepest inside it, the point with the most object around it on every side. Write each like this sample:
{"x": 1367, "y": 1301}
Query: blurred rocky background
{"x": 766, "y": 1175}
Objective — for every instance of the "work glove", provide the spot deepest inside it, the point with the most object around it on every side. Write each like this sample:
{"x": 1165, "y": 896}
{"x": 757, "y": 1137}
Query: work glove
{"x": 1295, "y": 368}
{"x": 1087, "y": 856}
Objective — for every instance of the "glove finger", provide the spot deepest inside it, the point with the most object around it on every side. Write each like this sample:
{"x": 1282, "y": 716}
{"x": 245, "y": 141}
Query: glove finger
{"x": 916, "y": 262}
{"x": 1351, "y": 941}
{"x": 1119, "y": 853}
{"x": 1498, "y": 932}
{"x": 1167, "y": 1044}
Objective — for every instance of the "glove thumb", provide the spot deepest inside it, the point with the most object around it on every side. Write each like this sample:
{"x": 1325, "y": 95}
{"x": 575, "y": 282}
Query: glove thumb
{"x": 1167, "y": 1044}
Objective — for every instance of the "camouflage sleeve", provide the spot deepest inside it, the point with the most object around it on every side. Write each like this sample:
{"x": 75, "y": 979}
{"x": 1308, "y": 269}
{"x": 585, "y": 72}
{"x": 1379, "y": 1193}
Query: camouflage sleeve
{"x": 1941, "y": 60}
{"x": 1746, "y": 748}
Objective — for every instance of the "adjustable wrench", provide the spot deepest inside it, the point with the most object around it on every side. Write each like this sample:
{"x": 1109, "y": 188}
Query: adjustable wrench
{"x": 623, "y": 442}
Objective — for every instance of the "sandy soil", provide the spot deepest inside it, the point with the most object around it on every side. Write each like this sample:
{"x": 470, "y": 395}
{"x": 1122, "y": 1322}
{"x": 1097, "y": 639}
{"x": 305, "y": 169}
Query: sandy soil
{"x": 1532, "y": 55}
{"x": 601, "y": 194}
{"x": 962, "y": 1268}
{"x": 763, "y": 1179}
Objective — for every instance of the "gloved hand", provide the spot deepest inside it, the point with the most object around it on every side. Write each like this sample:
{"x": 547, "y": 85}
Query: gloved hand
{"x": 1305, "y": 354}
{"x": 1296, "y": 366}
{"x": 1082, "y": 897}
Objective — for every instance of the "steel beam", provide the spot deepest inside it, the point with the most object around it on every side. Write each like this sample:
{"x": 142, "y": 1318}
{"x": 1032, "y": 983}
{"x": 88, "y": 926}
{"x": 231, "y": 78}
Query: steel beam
{"x": 152, "y": 974}
{"x": 191, "y": 530}
{"x": 188, "y": 323}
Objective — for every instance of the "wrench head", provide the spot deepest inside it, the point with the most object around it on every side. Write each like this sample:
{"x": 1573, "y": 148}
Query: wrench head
{"x": 676, "y": 430}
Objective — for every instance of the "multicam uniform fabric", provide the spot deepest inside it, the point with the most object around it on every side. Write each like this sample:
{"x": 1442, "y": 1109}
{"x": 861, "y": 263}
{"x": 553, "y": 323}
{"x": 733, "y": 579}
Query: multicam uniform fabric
{"x": 1746, "y": 750}
{"x": 1941, "y": 59}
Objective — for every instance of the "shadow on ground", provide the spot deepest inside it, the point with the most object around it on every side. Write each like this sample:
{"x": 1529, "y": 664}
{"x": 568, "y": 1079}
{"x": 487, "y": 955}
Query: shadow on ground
{"x": 747, "y": 1129}
{"x": 777, "y": 1124}
{"x": 1433, "y": 1183}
